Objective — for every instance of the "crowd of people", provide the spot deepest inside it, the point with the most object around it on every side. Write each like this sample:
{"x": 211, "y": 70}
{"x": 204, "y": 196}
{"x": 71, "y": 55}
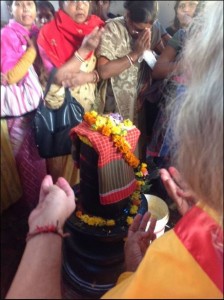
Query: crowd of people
{"x": 101, "y": 72}
{"x": 99, "y": 56}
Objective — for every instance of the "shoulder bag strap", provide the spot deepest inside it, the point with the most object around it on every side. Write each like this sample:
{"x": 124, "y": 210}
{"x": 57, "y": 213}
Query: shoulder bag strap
{"x": 50, "y": 81}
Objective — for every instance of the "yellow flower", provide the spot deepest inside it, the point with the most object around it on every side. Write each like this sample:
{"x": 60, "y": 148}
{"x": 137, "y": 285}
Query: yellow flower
{"x": 111, "y": 123}
{"x": 129, "y": 220}
{"x": 116, "y": 130}
{"x": 133, "y": 209}
{"x": 110, "y": 222}
{"x": 128, "y": 123}
{"x": 100, "y": 122}
{"x": 94, "y": 113}
{"x": 135, "y": 195}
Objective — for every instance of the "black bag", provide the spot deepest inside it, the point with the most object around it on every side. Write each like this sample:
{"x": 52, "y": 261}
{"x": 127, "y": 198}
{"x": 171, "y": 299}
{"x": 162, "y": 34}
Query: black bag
{"x": 52, "y": 126}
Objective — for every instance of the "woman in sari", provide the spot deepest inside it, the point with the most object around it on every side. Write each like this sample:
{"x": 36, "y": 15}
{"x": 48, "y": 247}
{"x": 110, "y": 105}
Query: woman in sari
{"x": 122, "y": 45}
{"x": 68, "y": 43}
{"x": 22, "y": 169}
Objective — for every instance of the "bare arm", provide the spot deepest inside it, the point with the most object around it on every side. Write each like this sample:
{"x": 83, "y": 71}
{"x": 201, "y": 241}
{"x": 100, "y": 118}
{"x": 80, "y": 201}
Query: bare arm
{"x": 165, "y": 64}
{"x": 38, "y": 275}
{"x": 110, "y": 68}
{"x": 72, "y": 66}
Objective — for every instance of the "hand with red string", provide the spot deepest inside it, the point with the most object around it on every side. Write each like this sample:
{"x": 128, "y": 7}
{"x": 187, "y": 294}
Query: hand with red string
{"x": 56, "y": 204}
{"x": 138, "y": 240}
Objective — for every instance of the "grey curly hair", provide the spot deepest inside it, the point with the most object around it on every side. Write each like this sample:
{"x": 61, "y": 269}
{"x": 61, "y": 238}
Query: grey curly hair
{"x": 199, "y": 125}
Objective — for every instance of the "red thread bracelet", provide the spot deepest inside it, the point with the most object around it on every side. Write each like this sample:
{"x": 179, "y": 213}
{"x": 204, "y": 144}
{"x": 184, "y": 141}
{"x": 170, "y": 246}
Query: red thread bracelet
{"x": 47, "y": 229}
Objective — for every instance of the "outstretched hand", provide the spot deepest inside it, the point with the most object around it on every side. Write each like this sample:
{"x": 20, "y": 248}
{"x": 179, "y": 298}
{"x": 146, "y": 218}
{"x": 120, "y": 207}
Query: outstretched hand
{"x": 138, "y": 240}
{"x": 177, "y": 189}
{"x": 92, "y": 40}
{"x": 56, "y": 204}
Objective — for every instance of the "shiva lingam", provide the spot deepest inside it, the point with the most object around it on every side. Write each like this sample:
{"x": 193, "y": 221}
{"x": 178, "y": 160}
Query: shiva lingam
{"x": 93, "y": 256}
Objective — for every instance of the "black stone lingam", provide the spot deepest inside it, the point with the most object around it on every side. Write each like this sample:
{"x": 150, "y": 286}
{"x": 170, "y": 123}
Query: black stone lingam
{"x": 93, "y": 257}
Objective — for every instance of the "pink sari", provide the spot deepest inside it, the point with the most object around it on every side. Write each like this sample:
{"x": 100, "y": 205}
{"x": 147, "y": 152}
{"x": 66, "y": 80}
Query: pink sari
{"x": 31, "y": 168}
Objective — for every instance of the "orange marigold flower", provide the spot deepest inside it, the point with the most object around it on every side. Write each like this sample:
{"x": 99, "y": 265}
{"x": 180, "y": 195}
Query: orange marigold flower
{"x": 106, "y": 131}
{"x": 78, "y": 213}
{"x": 136, "y": 202}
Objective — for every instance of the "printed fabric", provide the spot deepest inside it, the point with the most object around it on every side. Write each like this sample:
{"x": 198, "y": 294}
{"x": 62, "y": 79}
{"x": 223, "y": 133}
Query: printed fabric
{"x": 116, "y": 43}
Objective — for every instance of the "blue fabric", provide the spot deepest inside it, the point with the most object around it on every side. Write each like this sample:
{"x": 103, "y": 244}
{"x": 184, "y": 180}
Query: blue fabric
{"x": 168, "y": 137}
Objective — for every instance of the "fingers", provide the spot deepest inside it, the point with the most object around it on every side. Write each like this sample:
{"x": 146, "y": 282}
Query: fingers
{"x": 152, "y": 225}
{"x": 140, "y": 222}
{"x": 145, "y": 39}
{"x": 136, "y": 222}
{"x": 96, "y": 33}
{"x": 45, "y": 187}
{"x": 64, "y": 185}
{"x": 144, "y": 221}
{"x": 177, "y": 177}
{"x": 173, "y": 183}
{"x": 28, "y": 39}
{"x": 164, "y": 174}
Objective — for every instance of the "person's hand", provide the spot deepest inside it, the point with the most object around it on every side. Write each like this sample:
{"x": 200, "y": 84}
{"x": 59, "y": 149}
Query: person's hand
{"x": 31, "y": 42}
{"x": 138, "y": 240}
{"x": 143, "y": 42}
{"x": 177, "y": 189}
{"x": 76, "y": 79}
{"x": 91, "y": 41}
{"x": 56, "y": 204}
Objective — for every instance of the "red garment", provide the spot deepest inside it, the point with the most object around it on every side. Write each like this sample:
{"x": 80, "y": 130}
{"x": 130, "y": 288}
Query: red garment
{"x": 209, "y": 233}
{"x": 61, "y": 37}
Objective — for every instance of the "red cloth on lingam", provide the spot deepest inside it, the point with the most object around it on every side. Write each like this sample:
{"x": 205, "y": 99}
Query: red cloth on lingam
{"x": 116, "y": 178}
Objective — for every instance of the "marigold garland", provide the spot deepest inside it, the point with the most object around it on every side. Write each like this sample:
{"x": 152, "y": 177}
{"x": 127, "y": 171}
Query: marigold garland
{"x": 115, "y": 127}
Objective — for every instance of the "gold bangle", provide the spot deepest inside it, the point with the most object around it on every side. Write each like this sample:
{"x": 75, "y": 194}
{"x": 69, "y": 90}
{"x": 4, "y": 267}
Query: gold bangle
{"x": 129, "y": 59}
{"x": 79, "y": 57}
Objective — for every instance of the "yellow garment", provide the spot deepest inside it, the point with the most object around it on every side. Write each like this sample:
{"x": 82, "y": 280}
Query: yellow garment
{"x": 63, "y": 166}
{"x": 11, "y": 189}
{"x": 85, "y": 95}
{"x": 19, "y": 71}
{"x": 167, "y": 271}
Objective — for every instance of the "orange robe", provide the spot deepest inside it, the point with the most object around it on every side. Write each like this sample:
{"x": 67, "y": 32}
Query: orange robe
{"x": 182, "y": 264}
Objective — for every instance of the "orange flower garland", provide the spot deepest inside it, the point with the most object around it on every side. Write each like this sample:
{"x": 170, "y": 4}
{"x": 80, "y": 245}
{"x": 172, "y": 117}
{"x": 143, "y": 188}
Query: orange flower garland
{"x": 117, "y": 130}
{"x": 107, "y": 126}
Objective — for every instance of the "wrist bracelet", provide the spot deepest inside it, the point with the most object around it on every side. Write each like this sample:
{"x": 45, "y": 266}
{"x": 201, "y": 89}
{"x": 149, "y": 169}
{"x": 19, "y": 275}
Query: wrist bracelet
{"x": 96, "y": 76}
{"x": 47, "y": 229}
{"x": 79, "y": 57}
{"x": 130, "y": 59}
